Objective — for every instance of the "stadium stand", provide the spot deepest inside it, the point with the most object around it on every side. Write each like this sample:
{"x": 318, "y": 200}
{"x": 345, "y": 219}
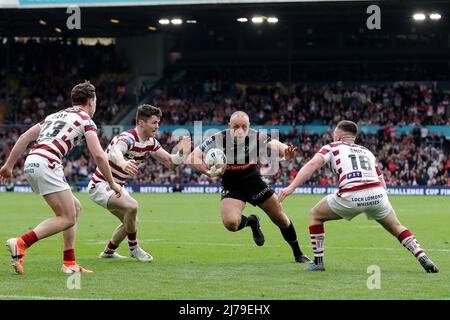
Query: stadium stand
{"x": 418, "y": 158}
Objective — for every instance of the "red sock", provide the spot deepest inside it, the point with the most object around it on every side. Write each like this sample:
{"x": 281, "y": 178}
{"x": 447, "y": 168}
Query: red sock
{"x": 132, "y": 241}
{"x": 408, "y": 240}
{"x": 110, "y": 247}
{"x": 29, "y": 238}
{"x": 69, "y": 255}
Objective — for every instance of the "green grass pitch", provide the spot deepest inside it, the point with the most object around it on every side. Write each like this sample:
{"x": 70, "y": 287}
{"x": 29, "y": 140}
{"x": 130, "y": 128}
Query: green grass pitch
{"x": 197, "y": 258}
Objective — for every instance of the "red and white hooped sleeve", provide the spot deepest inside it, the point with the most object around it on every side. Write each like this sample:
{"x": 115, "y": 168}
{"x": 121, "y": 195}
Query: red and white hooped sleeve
{"x": 325, "y": 152}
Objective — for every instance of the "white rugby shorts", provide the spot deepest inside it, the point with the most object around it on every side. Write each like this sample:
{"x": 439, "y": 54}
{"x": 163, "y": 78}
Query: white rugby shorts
{"x": 45, "y": 177}
{"x": 373, "y": 202}
{"x": 100, "y": 193}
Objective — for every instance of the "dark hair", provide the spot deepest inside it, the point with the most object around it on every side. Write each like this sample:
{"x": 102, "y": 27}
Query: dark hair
{"x": 146, "y": 111}
{"x": 82, "y": 92}
{"x": 348, "y": 127}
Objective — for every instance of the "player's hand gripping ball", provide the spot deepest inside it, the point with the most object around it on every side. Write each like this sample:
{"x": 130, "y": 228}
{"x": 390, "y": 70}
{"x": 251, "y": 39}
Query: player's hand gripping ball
{"x": 215, "y": 160}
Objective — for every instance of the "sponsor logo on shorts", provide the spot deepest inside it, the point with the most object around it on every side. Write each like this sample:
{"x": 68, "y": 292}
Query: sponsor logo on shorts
{"x": 260, "y": 194}
{"x": 368, "y": 200}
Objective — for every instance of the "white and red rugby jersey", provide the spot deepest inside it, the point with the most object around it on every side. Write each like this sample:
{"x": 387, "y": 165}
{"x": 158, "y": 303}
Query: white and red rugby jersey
{"x": 136, "y": 149}
{"x": 355, "y": 165}
{"x": 61, "y": 132}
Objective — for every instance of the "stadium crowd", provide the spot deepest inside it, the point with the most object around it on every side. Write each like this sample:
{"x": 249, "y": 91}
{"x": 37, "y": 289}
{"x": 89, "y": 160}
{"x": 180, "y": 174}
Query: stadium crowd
{"x": 37, "y": 80}
{"x": 401, "y": 103}
{"x": 37, "y": 85}
{"x": 418, "y": 158}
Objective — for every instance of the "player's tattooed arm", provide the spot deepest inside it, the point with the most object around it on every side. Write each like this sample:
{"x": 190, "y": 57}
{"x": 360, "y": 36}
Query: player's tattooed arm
{"x": 303, "y": 175}
{"x": 19, "y": 148}
{"x": 117, "y": 156}
{"x": 163, "y": 157}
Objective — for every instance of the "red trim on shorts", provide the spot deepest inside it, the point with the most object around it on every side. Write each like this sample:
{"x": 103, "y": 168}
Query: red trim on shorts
{"x": 362, "y": 187}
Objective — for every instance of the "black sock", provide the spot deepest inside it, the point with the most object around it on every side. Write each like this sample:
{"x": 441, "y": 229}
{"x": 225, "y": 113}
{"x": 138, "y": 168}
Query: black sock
{"x": 244, "y": 223}
{"x": 251, "y": 220}
{"x": 290, "y": 236}
{"x": 318, "y": 260}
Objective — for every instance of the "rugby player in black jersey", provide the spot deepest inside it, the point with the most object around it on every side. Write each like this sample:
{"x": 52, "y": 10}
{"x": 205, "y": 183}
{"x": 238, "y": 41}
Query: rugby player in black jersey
{"x": 242, "y": 181}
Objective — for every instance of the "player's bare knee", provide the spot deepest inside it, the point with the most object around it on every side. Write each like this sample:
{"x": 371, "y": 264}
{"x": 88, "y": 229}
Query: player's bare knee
{"x": 77, "y": 209}
{"x": 133, "y": 207}
{"x": 77, "y": 215}
{"x": 315, "y": 218}
{"x": 70, "y": 221}
{"x": 231, "y": 224}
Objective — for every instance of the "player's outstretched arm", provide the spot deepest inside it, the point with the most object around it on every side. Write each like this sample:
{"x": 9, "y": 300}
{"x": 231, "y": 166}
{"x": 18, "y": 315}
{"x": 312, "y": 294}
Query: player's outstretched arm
{"x": 116, "y": 154}
{"x": 19, "y": 148}
{"x": 101, "y": 160}
{"x": 285, "y": 151}
{"x": 195, "y": 160}
{"x": 303, "y": 175}
{"x": 172, "y": 160}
